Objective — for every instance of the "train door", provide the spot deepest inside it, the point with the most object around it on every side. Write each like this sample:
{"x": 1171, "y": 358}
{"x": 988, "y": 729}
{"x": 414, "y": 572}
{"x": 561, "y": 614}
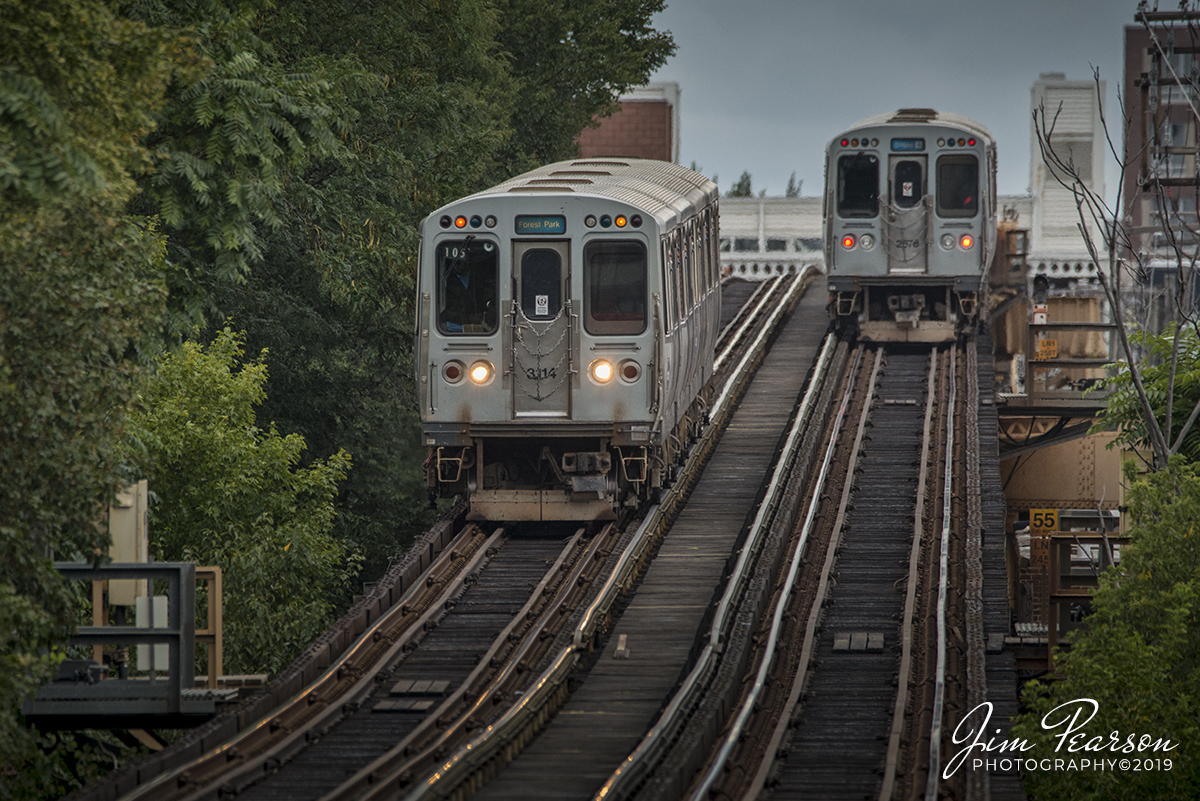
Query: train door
{"x": 541, "y": 339}
{"x": 907, "y": 218}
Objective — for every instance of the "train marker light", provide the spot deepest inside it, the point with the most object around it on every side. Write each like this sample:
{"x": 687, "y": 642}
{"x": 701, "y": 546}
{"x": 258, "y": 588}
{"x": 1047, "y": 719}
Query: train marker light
{"x": 445, "y": 221}
{"x": 621, "y": 221}
{"x": 601, "y": 371}
{"x": 476, "y": 221}
{"x": 971, "y": 142}
{"x": 947, "y": 241}
{"x": 590, "y": 221}
{"x": 866, "y": 241}
{"x": 848, "y": 241}
{"x": 454, "y": 371}
{"x": 490, "y": 221}
{"x": 630, "y": 371}
{"x": 967, "y": 241}
{"x": 636, "y": 221}
{"x": 482, "y": 372}
{"x": 460, "y": 222}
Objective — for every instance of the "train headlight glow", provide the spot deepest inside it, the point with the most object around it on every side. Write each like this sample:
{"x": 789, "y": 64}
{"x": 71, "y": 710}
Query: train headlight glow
{"x": 848, "y": 241}
{"x": 966, "y": 242}
{"x": 601, "y": 371}
{"x": 482, "y": 372}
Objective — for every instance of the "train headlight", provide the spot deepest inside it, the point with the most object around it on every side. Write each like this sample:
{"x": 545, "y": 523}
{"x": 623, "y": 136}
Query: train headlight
{"x": 866, "y": 241}
{"x": 453, "y": 371}
{"x": 629, "y": 371}
{"x": 601, "y": 371}
{"x": 848, "y": 241}
{"x": 967, "y": 242}
{"x": 947, "y": 241}
{"x": 482, "y": 372}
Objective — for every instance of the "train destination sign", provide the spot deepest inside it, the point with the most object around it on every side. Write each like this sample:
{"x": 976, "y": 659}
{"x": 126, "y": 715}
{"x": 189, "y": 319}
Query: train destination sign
{"x": 908, "y": 145}
{"x": 541, "y": 224}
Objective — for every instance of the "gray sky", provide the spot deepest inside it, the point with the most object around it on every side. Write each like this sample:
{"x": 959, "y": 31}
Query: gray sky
{"x": 766, "y": 83}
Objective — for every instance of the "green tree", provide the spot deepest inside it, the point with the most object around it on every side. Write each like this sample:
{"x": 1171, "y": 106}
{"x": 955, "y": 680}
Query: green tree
{"x": 793, "y": 186}
{"x": 81, "y": 295}
{"x": 1138, "y": 656}
{"x": 222, "y": 146}
{"x": 571, "y": 61}
{"x": 427, "y": 100}
{"x": 741, "y": 188}
{"x": 1123, "y": 412}
{"x": 234, "y": 495}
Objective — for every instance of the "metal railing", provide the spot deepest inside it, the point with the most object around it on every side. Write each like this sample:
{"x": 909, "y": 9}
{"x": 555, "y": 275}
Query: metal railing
{"x": 153, "y": 695}
{"x": 1052, "y": 376}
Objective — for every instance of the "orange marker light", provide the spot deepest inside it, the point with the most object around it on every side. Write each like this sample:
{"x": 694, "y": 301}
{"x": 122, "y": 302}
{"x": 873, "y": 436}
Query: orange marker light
{"x": 620, "y": 221}
{"x": 967, "y": 241}
{"x": 460, "y": 222}
{"x": 848, "y": 241}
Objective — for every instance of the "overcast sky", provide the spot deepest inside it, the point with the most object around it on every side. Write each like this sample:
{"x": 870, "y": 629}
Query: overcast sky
{"x": 765, "y": 84}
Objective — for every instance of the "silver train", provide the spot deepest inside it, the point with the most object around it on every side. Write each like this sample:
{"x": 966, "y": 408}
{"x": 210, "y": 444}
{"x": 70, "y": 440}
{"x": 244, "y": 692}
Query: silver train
{"x": 566, "y": 322}
{"x": 910, "y": 224}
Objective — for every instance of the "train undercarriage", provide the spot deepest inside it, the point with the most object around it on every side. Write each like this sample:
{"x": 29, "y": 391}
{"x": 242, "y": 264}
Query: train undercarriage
{"x": 905, "y": 312}
{"x": 567, "y": 475}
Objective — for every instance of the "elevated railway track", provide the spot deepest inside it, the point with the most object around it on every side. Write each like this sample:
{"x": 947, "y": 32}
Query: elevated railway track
{"x": 680, "y": 654}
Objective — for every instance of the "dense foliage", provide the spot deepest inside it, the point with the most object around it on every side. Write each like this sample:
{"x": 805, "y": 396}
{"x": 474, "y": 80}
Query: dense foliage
{"x": 268, "y": 164}
{"x": 1138, "y": 657}
{"x": 238, "y": 499}
{"x": 81, "y": 293}
{"x": 1123, "y": 412}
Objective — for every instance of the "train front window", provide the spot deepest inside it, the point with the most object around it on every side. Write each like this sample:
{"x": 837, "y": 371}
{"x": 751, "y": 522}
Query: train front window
{"x": 858, "y": 185}
{"x": 541, "y": 284}
{"x": 908, "y": 185}
{"x": 957, "y": 186}
{"x": 614, "y": 284}
{"x": 467, "y": 271}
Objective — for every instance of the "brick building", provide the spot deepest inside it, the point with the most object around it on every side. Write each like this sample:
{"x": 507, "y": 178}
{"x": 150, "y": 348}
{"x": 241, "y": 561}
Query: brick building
{"x": 645, "y": 127}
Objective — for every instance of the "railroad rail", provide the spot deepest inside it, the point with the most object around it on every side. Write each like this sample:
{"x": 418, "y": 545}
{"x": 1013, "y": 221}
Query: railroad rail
{"x": 808, "y": 716}
{"x": 470, "y": 731}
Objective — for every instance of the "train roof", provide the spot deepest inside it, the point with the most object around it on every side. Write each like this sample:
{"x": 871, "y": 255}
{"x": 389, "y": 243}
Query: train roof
{"x": 919, "y": 116}
{"x": 659, "y": 188}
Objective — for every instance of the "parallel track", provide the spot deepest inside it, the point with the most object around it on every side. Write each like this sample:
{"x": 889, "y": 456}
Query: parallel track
{"x": 319, "y": 744}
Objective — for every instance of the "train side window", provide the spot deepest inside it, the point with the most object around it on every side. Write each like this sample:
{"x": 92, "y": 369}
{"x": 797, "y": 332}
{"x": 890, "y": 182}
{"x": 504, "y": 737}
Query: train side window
{"x": 614, "y": 287}
{"x": 467, "y": 271}
{"x": 541, "y": 284}
{"x": 858, "y": 185}
{"x": 957, "y": 186}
